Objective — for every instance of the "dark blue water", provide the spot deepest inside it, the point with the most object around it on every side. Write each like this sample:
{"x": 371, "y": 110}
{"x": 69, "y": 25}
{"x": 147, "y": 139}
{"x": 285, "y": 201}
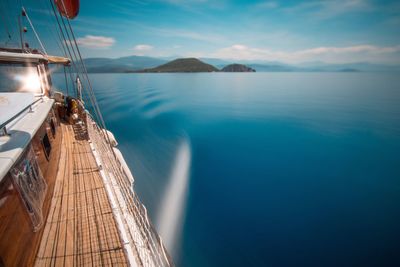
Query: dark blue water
{"x": 287, "y": 169}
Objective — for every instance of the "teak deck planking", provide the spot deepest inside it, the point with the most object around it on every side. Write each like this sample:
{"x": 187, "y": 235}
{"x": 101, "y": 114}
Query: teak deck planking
{"x": 80, "y": 228}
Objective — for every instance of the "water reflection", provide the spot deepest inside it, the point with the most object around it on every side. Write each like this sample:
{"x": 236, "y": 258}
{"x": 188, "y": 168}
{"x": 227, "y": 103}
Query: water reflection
{"x": 173, "y": 204}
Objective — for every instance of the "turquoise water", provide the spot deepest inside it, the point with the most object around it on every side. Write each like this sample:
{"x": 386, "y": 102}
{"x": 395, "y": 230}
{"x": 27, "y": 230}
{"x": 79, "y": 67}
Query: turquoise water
{"x": 285, "y": 169}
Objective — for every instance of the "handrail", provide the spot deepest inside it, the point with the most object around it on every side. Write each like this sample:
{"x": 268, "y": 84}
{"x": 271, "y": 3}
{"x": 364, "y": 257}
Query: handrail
{"x": 4, "y": 124}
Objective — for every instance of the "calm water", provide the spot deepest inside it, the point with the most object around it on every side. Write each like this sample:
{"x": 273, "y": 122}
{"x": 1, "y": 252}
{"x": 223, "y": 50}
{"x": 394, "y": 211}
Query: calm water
{"x": 282, "y": 169}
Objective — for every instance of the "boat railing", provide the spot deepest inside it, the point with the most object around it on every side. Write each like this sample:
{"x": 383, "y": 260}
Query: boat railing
{"x": 147, "y": 244}
{"x": 3, "y": 126}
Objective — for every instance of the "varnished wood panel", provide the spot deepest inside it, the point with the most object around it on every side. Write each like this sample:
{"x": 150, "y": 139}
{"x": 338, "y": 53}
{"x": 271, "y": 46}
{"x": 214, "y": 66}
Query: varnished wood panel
{"x": 19, "y": 244}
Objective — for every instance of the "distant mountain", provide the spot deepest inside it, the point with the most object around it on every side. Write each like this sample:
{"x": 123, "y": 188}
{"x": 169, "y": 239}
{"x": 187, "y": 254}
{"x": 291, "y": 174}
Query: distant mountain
{"x": 348, "y": 70}
{"x": 237, "y": 68}
{"x": 183, "y": 65}
{"x": 123, "y": 64}
{"x": 346, "y": 67}
{"x": 137, "y": 63}
{"x": 317, "y": 66}
{"x": 257, "y": 65}
{"x": 291, "y": 68}
{"x": 274, "y": 68}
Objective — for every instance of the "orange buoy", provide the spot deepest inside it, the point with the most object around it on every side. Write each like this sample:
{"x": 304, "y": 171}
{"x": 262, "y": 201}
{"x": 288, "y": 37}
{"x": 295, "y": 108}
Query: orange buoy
{"x": 68, "y": 8}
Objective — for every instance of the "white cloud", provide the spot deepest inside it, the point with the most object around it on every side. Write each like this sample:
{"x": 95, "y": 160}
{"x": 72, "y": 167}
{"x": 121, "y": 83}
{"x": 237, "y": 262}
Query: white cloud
{"x": 370, "y": 53}
{"x": 93, "y": 41}
{"x": 210, "y": 38}
{"x": 142, "y": 47}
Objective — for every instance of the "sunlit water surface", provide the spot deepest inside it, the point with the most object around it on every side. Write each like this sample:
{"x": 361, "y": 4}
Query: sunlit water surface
{"x": 263, "y": 169}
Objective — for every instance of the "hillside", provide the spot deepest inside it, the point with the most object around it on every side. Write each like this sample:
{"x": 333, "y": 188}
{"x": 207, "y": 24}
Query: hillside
{"x": 183, "y": 65}
{"x": 237, "y": 68}
{"x": 122, "y": 64}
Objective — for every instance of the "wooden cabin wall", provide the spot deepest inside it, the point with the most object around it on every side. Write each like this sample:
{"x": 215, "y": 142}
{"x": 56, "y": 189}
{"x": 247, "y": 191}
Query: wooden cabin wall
{"x": 19, "y": 244}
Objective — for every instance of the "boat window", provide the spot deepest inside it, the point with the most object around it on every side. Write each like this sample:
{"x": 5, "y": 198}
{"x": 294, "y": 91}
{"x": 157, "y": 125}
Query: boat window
{"x": 46, "y": 145}
{"x": 19, "y": 78}
{"x": 53, "y": 127}
{"x": 32, "y": 187}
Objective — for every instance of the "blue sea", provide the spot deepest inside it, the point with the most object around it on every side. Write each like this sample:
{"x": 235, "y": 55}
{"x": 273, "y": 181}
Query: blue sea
{"x": 263, "y": 169}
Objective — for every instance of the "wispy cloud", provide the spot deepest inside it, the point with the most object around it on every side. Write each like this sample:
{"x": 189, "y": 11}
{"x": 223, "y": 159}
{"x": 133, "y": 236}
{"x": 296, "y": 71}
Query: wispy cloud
{"x": 186, "y": 34}
{"x": 142, "y": 49}
{"x": 125, "y": 24}
{"x": 285, "y": 30}
{"x": 267, "y": 5}
{"x": 369, "y": 53}
{"x": 330, "y": 8}
{"x": 180, "y": 2}
{"x": 93, "y": 41}
{"x": 211, "y": 38}
{"x": 189, "y": 4}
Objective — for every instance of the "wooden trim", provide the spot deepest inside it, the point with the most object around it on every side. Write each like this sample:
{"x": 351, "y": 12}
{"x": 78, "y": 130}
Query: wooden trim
{"x": 19, "y": 244}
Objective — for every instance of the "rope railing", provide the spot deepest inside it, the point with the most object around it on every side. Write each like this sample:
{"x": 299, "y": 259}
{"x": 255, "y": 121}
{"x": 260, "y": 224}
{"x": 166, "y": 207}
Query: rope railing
{"x": 146, "y": 243}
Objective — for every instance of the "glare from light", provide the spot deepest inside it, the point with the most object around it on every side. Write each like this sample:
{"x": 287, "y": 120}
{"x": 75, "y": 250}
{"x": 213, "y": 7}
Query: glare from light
{"x": 173, "y": 205}
{"x": 30, "y": 82}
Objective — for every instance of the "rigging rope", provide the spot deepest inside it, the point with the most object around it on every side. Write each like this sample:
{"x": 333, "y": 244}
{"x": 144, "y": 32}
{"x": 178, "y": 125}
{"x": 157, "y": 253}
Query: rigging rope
{"x": 63, "y": 36}
{"x": 68, "y": 48}
{"x": 56, "y": 35}
{"x": 68, "y": 43}
{"x": 74, "y": 58}
{"x": 66, "y": 80}
{"x": 61, "y": 44}
{"x": 124, "y": 183}
{"x": 96, "y": 106}
{"x": 33, "y": 29}
{"x": 141, "y": 233}
{"x": 5, "y": 23}
{"x": 7, "y": 18}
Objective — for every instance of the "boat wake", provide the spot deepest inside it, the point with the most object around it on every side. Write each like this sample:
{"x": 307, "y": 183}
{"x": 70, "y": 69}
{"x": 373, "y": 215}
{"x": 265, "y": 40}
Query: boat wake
{"x": 171, "y": 215}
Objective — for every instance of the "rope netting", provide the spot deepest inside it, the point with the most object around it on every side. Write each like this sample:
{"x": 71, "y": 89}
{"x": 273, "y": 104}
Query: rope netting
{"x": 147, "y": 244}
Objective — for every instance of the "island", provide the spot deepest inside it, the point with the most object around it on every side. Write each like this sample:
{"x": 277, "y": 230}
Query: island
{"x": 237, "y": 68}
{"x": 183, "y": 65}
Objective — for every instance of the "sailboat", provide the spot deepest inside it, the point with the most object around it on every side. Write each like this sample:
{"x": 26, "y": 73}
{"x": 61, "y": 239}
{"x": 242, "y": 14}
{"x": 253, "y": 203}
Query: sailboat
{"x": 67, "y": 196}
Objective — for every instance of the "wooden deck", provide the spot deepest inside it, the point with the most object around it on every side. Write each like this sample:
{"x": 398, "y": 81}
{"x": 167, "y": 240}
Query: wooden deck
{"x": 80, "y": 228}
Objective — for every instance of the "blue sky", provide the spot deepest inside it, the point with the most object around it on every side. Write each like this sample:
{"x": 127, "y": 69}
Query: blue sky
{"x": 335, "y": 31}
